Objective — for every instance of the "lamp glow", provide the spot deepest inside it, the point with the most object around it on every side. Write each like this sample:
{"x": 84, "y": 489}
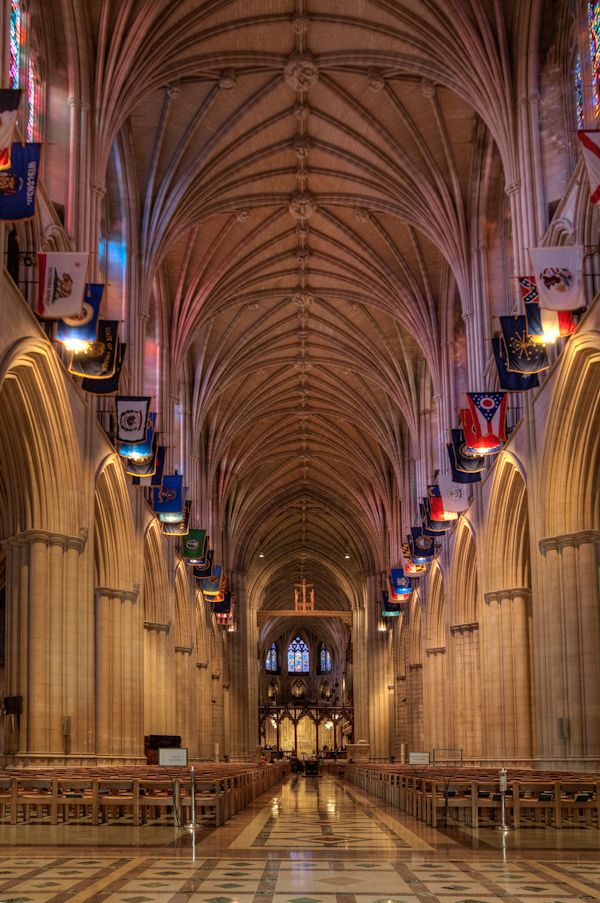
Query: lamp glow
{"x": 76, "y": 345}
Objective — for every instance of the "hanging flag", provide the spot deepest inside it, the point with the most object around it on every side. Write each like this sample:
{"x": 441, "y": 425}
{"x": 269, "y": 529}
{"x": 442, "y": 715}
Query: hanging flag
{"x": 156, "y": 478}
{"x": 509, "y": 380}
{"x": 223, "y": 610}
{"x": 389, "y": 609}
{"x": 466, "y": 462}
{"x": 204, "y": 568}
{"x": 61, "y": 284}
{"x": 19, "y": 183}
{"x": 141, "y": 451}
{"x": 214, "y": 585}
{"x": 547, "y": 326}
{"x": 431, "y": 527}
{"x": 422, "y": 546}
{"x": 132, "y": 419}
{"x": 168, "y": 498}
{"x": 78, "y": 332}
{"x": 143, "y": 467}
{"x": 590, "y": 148}
{"x": 523, "y": 355}
{"x": 559, "y": 276}
{"x": 455, "y": 496}
{"x": 110, "y": 384}
{"x": 529, "y": 291}
{"x": 178, "y": 527}
{"x": 400, "y": 584}
{"x": 485, "y": 427}
{"x": 99, "y": 360}
{"x": 9, "y": 105}
{"x": 437, "y": 510}
{"x": 410, "y": 566}
{"x": 193, "y": 548}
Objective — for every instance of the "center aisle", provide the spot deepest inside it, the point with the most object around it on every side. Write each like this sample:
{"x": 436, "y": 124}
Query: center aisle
{"x": 313, "y": 840}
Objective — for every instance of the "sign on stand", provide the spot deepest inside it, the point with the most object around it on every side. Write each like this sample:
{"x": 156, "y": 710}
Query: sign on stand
{"x": 170, "y": 757}
{"x": 418, "y": 758}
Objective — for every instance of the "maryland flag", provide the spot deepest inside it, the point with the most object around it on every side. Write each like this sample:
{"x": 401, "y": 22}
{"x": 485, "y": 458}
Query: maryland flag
{"x": 410, "y": 566}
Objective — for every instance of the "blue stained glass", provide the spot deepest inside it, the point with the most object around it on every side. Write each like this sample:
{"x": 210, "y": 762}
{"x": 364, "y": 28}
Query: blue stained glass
{"x": 326, "y": 663}
{"x": 579, "y": 92}
{"x": 298, "y": 656}
{"x": 271, "y": 663}
{"x": 594, "y": 32}
{"x": 14, "y": 64}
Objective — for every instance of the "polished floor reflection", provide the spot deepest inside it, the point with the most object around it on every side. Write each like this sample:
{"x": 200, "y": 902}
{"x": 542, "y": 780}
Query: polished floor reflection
{"x": 315, "y": 840}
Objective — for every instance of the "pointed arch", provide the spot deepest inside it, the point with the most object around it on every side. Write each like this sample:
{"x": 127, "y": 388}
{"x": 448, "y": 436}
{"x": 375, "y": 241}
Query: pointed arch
{"x": 156, "y": 587}
{"x": 464, "y": 585}
{"x": 113, "y": 527}
{"x": 507, "y": 532}
{"x": 436, "y": 610}
{"x": 184, "y": 633}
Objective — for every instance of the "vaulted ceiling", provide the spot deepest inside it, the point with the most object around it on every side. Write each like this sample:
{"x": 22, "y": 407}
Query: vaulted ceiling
{"x": 303, "y": 180}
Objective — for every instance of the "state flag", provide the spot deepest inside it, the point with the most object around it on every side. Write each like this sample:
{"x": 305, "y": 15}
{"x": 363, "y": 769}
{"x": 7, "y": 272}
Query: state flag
{"x": 455, "y": 496}
{"x": 178, "y": 527}
{"x": 61, "y": 284}
{"x": 558, "y": 273}
{"x": 109, "y": 384}
{"x": 547, "y": 326}
{"x": 9, "y": 107}
{"x": 523, "y": 355}
{"x": 77, "y": 333}
{"x": 437, "y": 509}
{"x": 99, "y": 360}
{"x": 193, "y": 548}
{"x": 132, "y": 420}
{"x": 509, "y": 380}
{"x": 484, "y": 422}
{"x": 422, "y": 546}
{"x": 590, "y": 150}
{"x": 18, "y": 184}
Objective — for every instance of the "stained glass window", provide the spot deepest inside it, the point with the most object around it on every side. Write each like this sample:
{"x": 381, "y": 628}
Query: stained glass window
{"x": 298, "y": 657}
{"x": 579, "y": 91}
{"x": 325, "y": 656}
{"x": 16, "y": 21}
{"x": 594, "y": 26}
{"x": 271, "y": 663}
{"x": 33, "y": 100}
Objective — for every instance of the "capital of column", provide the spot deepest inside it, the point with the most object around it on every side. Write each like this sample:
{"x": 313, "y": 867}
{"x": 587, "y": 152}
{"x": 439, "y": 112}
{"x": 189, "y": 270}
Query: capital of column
{"x": 436, "y": 650}
{"x": 124, "y": 595}
{"x": 28, "y": 537}
{"x": 516, "y": 592}
{"x": 464, "y": 628}
{"x": 215, "y": 677}
{"x": 185, "y": 650}
{"x": 570, "y": 540}
{"x": 159, "y": 628}
{"x": 98, "y": 190}
{"x": 416, "y": 666}
{"x": 202, "y": 666}
{"x": 512, "y": 189}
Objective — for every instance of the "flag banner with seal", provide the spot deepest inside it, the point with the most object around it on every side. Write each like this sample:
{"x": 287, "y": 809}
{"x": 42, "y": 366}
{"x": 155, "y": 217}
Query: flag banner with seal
{"x": 559, "y": 276}
{"x": 389, "y": 609}
{"x": 455, "y": 496}
{"x": 547, "y": 326}
{"x": 156, "y": 478}
{"x": 485, "y": 430}
{"x": 431, "y": 527}
{"x": 216, "y": 584}
{"x": 590, "y": 149}
{"x": 61, "y": 284}
{"x": 109, "y": 385}
{"x": 410, "y": 566}
{"x": 99, "y": 360}
{"x": 141, "y": 451}
{"x": 180, "y": 527}
{"x": 400, "y": 584}
{"x": 456, "y": 455}
{"x": 193, "y": 547}
{"x": 523, "y": 355}
{"x": 437, "y": 510}
{"x": 466, "y": 461}
{"x": 204, "y": 568}
{"x": 528, "y": 289}
{"x": 79, "y": 331}
{"x": 168, "y": 498}
{"x": 10, "y": 99}
{"x": 509, "y": 380}
{"x": 18, "y": 184}
{"x": 422, "y": 547}
{"x": 132, "y": 419}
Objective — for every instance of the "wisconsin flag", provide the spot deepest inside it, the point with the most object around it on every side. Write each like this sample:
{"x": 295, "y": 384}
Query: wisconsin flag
{"x": 558, "y": 273}
{"x": 9, "y": 105}
{"x": 61, "y": 285}
{"x": 590, "y": 149}
{"x": 18, "y": 185}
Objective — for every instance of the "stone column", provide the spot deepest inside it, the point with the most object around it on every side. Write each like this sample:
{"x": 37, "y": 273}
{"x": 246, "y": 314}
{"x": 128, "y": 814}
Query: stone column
{"x": 377, "y": 676}
{"x": 159, "y": 679}
{"x": 465, "y": 681}
{"x": 243, "y": 645}
{"x": 203, "y": 712}
{"x": 415, "y": 707}
{"x": 435, "y": 702}
{"x": 45, "y": 619}
{"x": 567, "y": 651}
{"x": 185, "y": 692}
{"x": 507, "y": 674}
{"x": 119, "y": 699}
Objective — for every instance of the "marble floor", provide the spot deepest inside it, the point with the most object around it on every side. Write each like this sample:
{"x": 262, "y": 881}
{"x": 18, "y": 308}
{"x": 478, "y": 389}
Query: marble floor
{"x": 313, "y": 840}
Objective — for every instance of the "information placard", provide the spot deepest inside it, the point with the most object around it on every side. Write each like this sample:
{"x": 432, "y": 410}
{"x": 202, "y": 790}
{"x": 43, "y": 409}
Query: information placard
{"x": 172, "y": 757}
{"x": 418, "y": 758}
